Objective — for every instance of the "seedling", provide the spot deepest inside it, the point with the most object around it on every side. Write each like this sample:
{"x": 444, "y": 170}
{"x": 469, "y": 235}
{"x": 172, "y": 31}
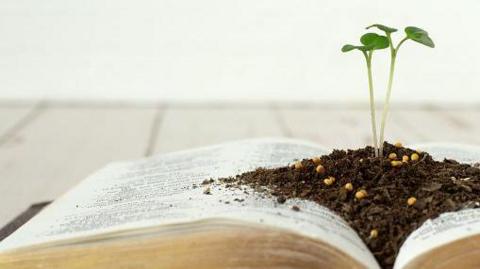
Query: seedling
{"x": 371, "y": 42}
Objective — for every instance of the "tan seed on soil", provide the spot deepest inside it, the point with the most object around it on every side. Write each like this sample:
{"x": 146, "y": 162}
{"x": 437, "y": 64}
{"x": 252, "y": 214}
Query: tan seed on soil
{"x": 361, "y": 194}
{"x": 316, "y": 160}
{"x": 298, "y": 165}
{"x": 392, "y": 156}
{"x": 405, "y": 158}
{"x": 374, "y": 233}
{"x": 329, "y": 181}
{"x": 414, "y": 157}
{"x": 411, "y": 201}
{"x": 396, "y": 163}
{"x": 349, "y": 187}
{"x": 320, "y": 169}
{"x": 398, "y": 145}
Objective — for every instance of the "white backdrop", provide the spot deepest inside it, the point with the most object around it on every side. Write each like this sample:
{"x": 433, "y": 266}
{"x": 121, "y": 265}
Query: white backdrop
{"x": 245, "y": 50}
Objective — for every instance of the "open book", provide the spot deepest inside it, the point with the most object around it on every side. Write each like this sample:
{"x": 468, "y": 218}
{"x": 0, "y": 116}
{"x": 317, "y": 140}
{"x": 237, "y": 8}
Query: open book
{"x": 153, "y": 213}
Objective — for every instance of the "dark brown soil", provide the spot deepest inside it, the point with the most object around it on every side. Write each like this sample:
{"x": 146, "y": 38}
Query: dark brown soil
{"x": 437, "y": 187}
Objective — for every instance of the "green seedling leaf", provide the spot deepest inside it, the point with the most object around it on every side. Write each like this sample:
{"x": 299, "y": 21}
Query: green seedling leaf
{"x": 373, "y": 41}
{"x": 348, "y": 47}
{"x": 382, "y": 27}
{"x": 419, "y": 35}
{"x": 368, "y": 39}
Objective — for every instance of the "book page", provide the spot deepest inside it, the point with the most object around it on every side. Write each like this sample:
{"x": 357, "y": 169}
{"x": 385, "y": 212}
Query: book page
{"x": 168, "y": 189}
{"x": 448, "y": 227}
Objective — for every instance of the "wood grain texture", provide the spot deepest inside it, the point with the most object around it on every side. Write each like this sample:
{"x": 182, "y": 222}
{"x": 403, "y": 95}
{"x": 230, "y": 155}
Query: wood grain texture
{"x": 350, "y": 127}
{"x": 184, "y": 128}
{"x": 14, "y": 117}
{"x": 338, "y": 128}
{"x": 64, "y": 145}
{"x": 48, "y": 149}
{"x": 464, "y": 125}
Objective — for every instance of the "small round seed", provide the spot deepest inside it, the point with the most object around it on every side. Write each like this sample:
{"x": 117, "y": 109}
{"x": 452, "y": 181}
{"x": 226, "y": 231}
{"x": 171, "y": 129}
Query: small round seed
{"x": 396, "y": 163}
{"x": 298, "y": 165}
{"x": 316, "y": 160}
{"x": 414, "y": 157}
{"x": 320, "y": 169}
{"x": 329, "y": 181}
{"x": 349, "y": 187}
{"x": 361, "y": 194}
{"x": 392, "y": 156}
{"x": 398, "y": 145}
{"x": 405, "y": 158}
{"x": 374, "y": 233}
{"x": 411, "y": 201}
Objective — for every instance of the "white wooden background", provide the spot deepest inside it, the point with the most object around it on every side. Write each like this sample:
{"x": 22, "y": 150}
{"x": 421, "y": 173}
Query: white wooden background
{"x": 46, "y": 148}
{"x": 190, "y": 50}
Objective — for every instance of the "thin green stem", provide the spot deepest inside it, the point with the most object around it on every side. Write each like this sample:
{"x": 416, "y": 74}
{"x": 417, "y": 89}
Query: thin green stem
{"x": 392, "y": 49}
{"x": 368, "y": 58}
{"x": 386, "y": 105}
{"x": 399, "y": 44}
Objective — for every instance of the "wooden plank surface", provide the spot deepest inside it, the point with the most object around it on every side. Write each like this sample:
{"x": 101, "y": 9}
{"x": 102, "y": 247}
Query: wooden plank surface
{"x": 62, "y": 146}
{"x": 13, "y": 117}
{"x": 350, "y": 127}
{"x": 339, "y": 128}
{"x": 184, "y": 128}
{"x": 439, "y": 125}
{"x": 47, "y": 149}
{"x": 462, "y": 125}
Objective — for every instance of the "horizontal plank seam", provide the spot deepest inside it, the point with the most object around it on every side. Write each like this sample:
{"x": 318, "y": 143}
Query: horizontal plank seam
{"x": 251, "y": 104}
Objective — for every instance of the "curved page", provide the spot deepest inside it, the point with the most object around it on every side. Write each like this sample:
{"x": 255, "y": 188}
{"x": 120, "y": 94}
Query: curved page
{"x": 448, "y": 227}
{"x": 167, "y": 189}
